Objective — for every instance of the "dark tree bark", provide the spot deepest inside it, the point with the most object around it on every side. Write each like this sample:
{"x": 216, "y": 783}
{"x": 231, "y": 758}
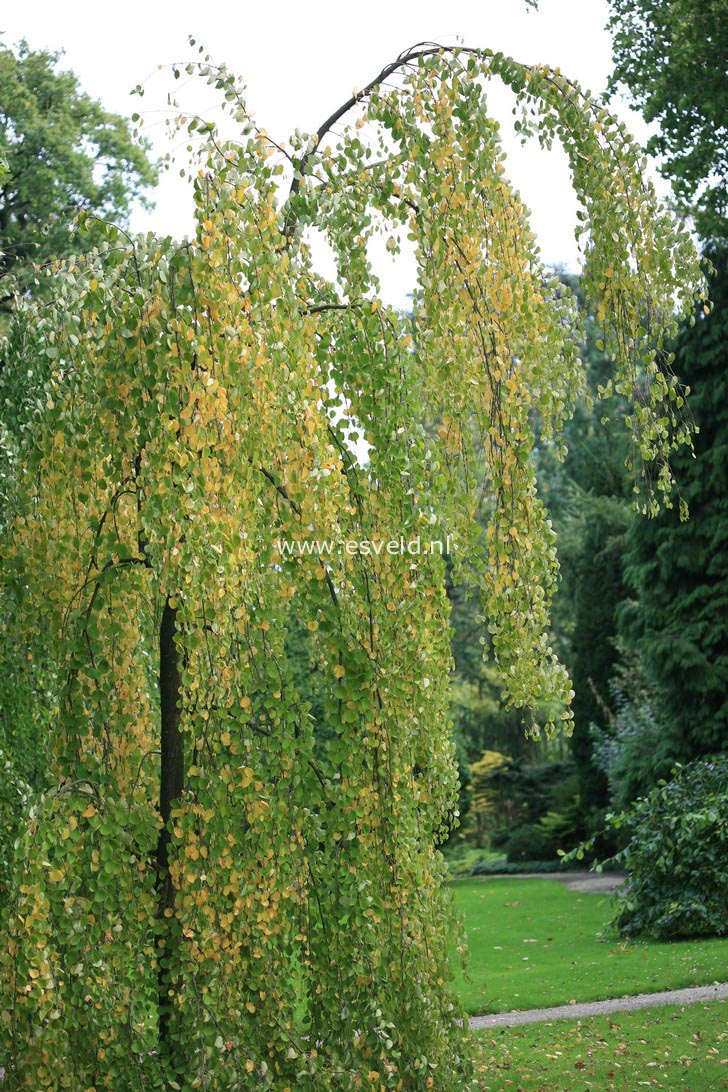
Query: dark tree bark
{"x": 171, "y": 787}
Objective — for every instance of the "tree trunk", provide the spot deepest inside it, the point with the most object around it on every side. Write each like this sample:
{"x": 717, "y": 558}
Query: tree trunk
{"x": 171, "y": 786}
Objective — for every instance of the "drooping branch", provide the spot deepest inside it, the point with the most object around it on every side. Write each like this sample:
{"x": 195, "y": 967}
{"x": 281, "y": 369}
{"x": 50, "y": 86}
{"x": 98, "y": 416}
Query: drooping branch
{"x": 422, "y": 49}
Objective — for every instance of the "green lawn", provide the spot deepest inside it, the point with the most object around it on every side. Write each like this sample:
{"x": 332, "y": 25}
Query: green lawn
{"x": 533, "y": 943}
{"x": 670, "y": 1047}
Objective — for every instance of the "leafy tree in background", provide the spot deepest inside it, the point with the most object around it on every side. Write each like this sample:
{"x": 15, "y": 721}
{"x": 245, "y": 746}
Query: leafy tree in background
{"x": 208, "y": 893}
{"x": 589, "y": 499}
{"x": 62, "y": 152}
{"x": 673, "y": 58}
{"x": 596, "y": 586}
{"x": 481, "y": 716}
{"x": 636, "y": 742}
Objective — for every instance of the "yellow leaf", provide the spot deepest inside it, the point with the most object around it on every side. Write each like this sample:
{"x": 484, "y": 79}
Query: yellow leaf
{"x": 247, "y": 775}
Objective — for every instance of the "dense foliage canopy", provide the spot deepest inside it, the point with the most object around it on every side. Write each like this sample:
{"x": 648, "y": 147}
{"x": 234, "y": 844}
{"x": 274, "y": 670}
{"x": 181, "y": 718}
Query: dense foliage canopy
{"x": 270, "y": 913}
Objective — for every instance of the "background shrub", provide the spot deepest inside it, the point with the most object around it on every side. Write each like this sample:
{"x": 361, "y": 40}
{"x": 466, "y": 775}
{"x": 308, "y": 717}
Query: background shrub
{"x": 676, "y": 856}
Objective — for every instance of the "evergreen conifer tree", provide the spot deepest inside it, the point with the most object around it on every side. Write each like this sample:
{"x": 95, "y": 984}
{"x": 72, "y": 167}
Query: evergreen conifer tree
{"x": 679, "y": 569}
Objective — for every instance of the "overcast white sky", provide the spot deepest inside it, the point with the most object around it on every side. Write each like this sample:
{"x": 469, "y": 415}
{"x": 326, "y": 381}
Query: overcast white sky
{"x": 301, "y": 60}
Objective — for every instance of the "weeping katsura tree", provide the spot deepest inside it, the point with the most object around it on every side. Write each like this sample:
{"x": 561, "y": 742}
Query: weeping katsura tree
{"x": 222, "y": 890}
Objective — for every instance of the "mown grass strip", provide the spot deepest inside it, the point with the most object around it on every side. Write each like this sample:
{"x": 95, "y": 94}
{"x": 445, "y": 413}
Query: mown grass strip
{"x": 671, "y": 1048}
{"x": 533, "y": 944}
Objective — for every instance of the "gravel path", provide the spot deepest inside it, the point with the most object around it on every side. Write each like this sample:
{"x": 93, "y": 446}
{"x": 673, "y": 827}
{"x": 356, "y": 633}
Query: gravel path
{"x": 716, "y": 992}
{"x": 598, "y": 883}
